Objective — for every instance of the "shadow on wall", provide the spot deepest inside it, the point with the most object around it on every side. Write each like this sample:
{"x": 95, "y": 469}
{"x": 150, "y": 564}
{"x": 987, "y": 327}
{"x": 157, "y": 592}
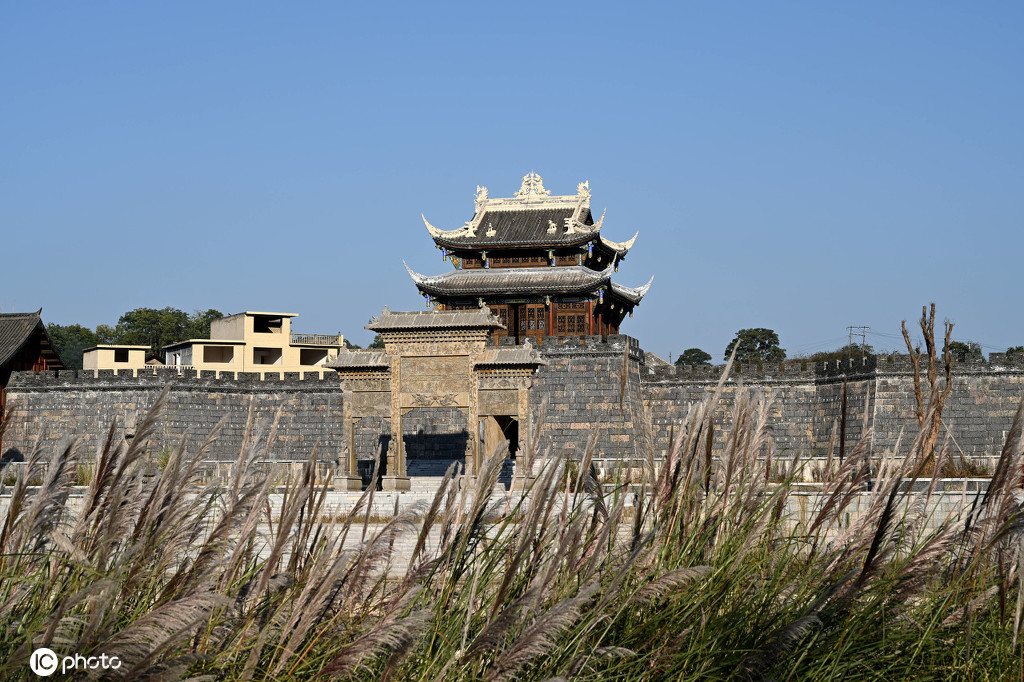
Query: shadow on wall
{"x": 365, "y": 466}
{"x": 11, "y": 455}
{"x": 445, "y": 446}
{"x": 427, "y": 454}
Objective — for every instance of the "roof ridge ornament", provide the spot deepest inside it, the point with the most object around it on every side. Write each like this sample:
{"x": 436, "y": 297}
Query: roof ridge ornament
{"x": 533, "y": 185}
{"x": 574, "y": 226}
{"x": 583, "y": 189}
{"x": 481, "y": 194}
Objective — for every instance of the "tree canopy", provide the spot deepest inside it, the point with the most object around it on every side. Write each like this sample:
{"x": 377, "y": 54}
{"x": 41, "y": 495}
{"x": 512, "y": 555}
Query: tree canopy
{"x": 966, "y": 352}
{"x": 694, "y": 356}
{"x": 139, "y": 327}
{"x": 70, "y": 340}
{"x": 158, "y": 328}
{"x": 853, "y": 350}
{"x": 756, "y": 345}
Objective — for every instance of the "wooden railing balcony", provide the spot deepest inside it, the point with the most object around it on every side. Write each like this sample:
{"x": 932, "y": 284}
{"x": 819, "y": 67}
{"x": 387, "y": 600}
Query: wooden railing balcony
{"x": 317, "y": 339}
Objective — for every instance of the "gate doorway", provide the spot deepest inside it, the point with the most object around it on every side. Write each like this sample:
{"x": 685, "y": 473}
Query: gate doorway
{"x": 497, "y": 430}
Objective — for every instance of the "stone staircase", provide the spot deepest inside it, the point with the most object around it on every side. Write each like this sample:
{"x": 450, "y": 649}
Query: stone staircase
{"x": 425, "y": 474}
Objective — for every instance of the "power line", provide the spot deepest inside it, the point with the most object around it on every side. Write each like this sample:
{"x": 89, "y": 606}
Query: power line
{"x": 859, "y": 329}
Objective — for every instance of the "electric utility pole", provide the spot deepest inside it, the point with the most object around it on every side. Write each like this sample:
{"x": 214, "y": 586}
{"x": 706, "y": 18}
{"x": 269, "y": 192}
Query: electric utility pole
{"x": 862, "y": 330}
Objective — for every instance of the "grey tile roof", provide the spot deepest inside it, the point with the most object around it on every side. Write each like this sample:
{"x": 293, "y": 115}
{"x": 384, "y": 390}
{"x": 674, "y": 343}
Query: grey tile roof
{"x": 518, "y": 355}
{"x": 17, "y": 330}
{"x": 521, "y": 228}
{"x": 359, "y": 359}
{"x": 433, "y": 319}
{"x": 574, "y": 279}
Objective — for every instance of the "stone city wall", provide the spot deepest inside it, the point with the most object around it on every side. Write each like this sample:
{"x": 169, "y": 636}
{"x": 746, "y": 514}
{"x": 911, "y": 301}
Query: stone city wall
{"x": 580, "y": 387}
{"x": 670, "y": 391}
{"x": 978, "y": 413}
{"x": 807, "y": 400}
{"x": 590, "y": 392}
{"x": 575, "y": 398}
{"x": 57, "y": 405}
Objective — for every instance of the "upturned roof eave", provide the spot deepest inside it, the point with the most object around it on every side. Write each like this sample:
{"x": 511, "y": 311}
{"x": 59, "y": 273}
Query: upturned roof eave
{"x": 457, "y": 245}
{"x": 453, "y": 283}
{"x": 632, "y": 294}
{"x": 530, "y": 289}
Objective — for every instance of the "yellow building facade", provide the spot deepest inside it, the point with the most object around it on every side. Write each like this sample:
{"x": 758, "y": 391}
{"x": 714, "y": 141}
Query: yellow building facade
{"x": 256, "y": 342}
{"x": 245, "y": 342}
{"x": 111, "y": 356}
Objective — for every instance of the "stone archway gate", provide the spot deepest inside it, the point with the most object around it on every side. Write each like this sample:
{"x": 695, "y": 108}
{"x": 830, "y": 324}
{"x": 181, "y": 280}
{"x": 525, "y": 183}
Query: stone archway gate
{"x": 435, "y": 358}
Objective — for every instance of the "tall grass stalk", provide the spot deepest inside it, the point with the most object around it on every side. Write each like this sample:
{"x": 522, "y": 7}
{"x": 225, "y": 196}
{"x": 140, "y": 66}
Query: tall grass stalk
{"x": 693, "y": 568}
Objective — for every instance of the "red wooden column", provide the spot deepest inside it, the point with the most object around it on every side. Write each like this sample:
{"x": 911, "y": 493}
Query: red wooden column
{"x": 549, "y": 331}
{"x": 590, "y": 317}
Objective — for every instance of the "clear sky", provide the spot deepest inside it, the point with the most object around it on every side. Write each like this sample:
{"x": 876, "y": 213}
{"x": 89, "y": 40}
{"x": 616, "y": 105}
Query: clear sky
{"x": 801, "y": 166}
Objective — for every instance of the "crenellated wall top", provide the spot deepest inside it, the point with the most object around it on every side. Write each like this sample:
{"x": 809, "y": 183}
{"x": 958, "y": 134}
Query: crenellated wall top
{"x": 148, "y": 379}
{"x": 832, "y": 370}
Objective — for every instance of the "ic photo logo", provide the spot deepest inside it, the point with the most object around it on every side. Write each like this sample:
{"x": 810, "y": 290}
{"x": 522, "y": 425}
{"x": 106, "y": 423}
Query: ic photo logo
{"x": 44, "y": 662}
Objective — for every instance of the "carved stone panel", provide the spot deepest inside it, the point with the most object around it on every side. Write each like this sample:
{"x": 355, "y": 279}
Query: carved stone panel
{"x": 435, "y": 347}
{"x": 499, "y": 402}
{"x": 437, "y": 399}
{"x": 439, "y": 376}
{"x": 370, "y": 404}
{"x": 497, "y": 381}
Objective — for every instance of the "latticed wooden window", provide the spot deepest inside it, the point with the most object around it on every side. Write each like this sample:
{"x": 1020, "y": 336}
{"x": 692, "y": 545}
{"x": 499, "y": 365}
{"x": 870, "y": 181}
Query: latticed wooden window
{"x": 502, "y": 313}
{"x": 570, "y": 318}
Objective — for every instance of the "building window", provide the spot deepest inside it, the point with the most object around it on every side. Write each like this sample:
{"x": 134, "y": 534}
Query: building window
{"x": 218, "y": 354}
{"x": 502, "y": 313}
{"x": 120, "y": 355}
{"x": 266, "y": 356}
{"x": 312, "y": 356}
{"x": 570, "y": 318}
{"x": 265, "y": 324}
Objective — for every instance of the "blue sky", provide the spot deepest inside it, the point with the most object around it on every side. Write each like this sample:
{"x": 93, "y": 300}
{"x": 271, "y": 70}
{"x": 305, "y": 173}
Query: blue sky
{"x": 797, "y": 166}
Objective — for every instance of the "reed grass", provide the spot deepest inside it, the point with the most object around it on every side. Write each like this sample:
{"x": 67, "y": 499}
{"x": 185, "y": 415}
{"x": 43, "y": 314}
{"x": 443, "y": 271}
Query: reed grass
{"x": 688, "y": 569}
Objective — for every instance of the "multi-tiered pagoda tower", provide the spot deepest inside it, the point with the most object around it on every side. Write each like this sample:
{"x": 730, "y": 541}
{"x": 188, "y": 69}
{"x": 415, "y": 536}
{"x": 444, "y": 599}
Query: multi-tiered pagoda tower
{"x": 538, "y": 261}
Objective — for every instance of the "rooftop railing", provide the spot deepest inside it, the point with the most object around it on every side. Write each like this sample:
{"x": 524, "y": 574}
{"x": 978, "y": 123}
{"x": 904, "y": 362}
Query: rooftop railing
{"x": 317, "y": 339}
{"x": 178, "y": 368}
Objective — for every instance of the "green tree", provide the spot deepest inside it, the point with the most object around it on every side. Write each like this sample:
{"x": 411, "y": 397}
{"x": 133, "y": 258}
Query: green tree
{"x": 106, "y": 334}
{"x": 694, "y": 356}
{"x": 199, "y": 323}
{"x": 853, "y": 350}
{"x": 756, "y": 345}
{"x": 377, "y": 342}
{"x": 966, "y": 352}
{"x": 70, "y": 340}
{"x": 158, "y": 328}
{"x": 351, "y": 346}
{"x": 1015, "y": 352}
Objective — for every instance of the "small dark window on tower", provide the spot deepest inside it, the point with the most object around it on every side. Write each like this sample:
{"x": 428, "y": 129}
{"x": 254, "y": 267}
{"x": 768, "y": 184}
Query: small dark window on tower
{"x": 120, "y": 355}
{"x": 263, "y": 324}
